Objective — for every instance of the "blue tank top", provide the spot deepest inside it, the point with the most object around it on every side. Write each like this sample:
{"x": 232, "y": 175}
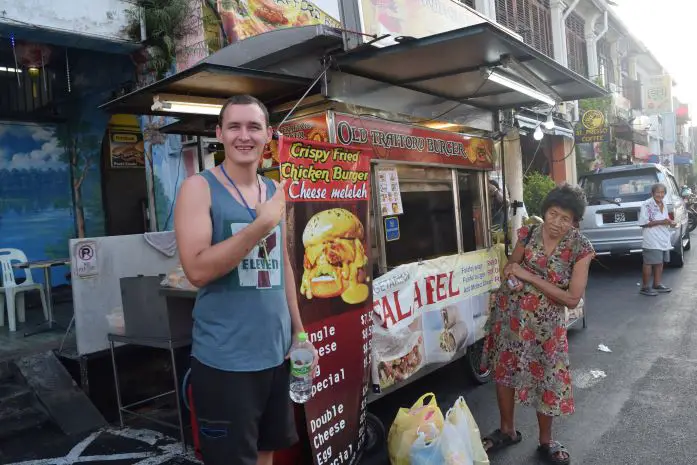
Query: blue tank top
{"x": 241, "y": 320}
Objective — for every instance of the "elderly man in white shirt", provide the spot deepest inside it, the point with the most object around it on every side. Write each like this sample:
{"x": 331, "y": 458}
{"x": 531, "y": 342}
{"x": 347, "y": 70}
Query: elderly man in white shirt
{"x": 656, "y": 224}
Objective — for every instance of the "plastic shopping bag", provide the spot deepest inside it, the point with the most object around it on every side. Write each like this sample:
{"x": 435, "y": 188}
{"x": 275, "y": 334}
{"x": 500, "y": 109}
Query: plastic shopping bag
{"x": 177, "y": 279}
{"x": 461, "y": 418}
{"x": 407, "y": 423}
{"x": 426, "y": 450}
{"x": 451, "y": 447}
{"x": 455, "y": 445}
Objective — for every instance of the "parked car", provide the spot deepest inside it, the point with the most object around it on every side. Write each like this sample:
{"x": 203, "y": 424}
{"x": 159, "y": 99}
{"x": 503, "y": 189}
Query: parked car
{"x": 615, "y": 196}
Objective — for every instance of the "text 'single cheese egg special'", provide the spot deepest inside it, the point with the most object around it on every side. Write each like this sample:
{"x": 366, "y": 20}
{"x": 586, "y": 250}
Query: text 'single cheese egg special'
{"x": 335, "y": 258}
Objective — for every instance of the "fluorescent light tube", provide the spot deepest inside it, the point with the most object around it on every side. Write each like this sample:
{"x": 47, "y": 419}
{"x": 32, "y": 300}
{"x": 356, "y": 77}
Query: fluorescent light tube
{"x": 176, "y": 106}
{"x": 517, "y": 86}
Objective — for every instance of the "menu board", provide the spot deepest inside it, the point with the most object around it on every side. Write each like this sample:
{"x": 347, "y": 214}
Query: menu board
{"x": 427, "y": 312}
{"x": 390, "y": 195}
{"x": 127, "y": 150}
{"x": 327, "y": 194}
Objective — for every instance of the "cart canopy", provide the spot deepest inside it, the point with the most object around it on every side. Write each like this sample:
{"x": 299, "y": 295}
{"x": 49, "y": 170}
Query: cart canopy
{"x": 452, "y": 66}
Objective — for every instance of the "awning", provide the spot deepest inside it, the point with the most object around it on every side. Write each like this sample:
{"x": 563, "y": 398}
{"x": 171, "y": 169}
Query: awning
{"x": 450, "y": 65}
{"x": 211, "y": 81}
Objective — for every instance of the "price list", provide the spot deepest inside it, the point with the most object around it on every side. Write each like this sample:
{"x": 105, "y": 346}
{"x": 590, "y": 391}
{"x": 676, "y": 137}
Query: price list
{"x": 336, "y": 413}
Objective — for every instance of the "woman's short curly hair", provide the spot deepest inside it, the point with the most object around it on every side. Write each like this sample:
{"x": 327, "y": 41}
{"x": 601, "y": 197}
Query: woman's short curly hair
{"x": 566, "y": 197}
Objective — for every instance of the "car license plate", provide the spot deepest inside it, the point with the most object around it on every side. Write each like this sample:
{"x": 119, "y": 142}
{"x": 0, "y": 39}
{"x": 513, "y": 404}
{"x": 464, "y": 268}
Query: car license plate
{"x": 620, "y": 218}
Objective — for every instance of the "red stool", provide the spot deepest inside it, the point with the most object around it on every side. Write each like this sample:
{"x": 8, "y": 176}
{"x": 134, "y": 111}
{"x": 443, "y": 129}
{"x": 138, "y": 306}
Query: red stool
{"x": 194, "y": 423}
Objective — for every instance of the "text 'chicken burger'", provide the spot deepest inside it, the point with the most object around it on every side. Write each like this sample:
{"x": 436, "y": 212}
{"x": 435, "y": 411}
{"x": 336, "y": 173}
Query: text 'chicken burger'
{"x": 335, "y": 258}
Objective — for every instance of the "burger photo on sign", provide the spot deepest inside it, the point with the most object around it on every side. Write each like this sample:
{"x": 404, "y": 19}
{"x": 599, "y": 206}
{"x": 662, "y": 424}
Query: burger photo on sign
{"x": 334, "y": 263}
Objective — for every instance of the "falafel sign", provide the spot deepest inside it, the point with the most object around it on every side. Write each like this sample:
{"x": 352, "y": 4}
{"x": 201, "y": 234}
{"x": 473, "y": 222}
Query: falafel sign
{"x": 426, "y": 312}
{"x": 327, "y": 213}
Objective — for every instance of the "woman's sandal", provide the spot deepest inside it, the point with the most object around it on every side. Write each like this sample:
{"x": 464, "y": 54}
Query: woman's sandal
{"x": 554, "y": 453}
{"x": 500, "y": 440}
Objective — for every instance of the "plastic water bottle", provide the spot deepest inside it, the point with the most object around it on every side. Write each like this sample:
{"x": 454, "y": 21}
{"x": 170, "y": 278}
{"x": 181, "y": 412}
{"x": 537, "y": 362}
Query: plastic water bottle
{"x": 301, "y": 358}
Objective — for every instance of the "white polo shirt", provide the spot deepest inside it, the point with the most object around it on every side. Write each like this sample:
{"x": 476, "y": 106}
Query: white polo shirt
{"x": 655, "y": 237}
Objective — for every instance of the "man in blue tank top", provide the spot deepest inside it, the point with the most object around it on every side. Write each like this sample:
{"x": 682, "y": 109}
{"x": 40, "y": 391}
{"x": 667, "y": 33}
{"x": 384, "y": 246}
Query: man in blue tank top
{"x": 231, "y": 234}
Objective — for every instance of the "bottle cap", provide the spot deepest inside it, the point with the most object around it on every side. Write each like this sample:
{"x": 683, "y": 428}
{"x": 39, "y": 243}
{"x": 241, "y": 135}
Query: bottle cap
{"x": 302, "y": 337}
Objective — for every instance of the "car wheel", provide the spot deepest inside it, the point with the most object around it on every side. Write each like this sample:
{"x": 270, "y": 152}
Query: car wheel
{"x": 474, "y": 359}
{"x": 375, "y": 434}
{"x": 677, "y": 256}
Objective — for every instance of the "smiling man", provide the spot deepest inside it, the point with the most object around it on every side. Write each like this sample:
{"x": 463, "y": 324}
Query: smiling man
{"x": 231, "y": 234}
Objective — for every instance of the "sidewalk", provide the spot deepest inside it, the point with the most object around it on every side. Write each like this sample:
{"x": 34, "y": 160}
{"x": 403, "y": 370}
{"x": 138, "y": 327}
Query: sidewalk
{"x": 109, "y": 446}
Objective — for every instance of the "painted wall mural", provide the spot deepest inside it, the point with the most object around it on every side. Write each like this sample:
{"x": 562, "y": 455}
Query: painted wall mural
{"x": 164, "y": 167}
{"x": 50, "y": 175}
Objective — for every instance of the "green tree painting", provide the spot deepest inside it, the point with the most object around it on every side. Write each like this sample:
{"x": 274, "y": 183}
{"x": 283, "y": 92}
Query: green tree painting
{"x": 81, "y": 149}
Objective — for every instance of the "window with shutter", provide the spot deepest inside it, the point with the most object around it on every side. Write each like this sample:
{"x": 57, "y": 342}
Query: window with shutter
{"x": 529, "y": 18}
{"x": 576, "y": 44}
{"x": 606, "y": 65}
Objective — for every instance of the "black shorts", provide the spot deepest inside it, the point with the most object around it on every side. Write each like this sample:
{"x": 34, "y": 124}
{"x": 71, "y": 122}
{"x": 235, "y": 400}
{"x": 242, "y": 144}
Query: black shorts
{"x": 241, "y": 413}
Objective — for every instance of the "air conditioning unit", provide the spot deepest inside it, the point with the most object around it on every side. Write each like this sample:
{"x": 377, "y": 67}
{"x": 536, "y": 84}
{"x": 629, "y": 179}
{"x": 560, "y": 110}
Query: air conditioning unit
{"x": 570, "y": 110}
{"x": 186, "y": 139}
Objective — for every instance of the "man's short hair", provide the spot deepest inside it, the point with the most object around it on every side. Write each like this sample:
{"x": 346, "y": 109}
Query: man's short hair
{"x": 243, "y": 100}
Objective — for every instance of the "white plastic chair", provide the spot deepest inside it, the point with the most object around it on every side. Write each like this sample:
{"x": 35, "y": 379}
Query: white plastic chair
{"x": 13, "y": 292}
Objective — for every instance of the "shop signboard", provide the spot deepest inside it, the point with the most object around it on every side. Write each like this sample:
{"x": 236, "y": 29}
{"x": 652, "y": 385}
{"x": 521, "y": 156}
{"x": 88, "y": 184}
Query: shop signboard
{"x": 328, "y": 188}
{"x": 592, "y": 128}
{"x": 312, "y": 127}
{"x": 658, "y": 95}
{"x": 242, "y": 19}
{"x": 427, "y": 312}
{"x": 409, "y": 18}
{"x": 126, "y": 149}
{"x": 402, "y": 142}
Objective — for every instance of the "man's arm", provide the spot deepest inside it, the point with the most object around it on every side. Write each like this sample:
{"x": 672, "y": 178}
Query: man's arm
{"x": 201, "y": 261}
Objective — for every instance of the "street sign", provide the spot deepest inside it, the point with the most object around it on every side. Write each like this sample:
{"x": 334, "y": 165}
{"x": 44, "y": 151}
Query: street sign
{"x": 391, "y": 228}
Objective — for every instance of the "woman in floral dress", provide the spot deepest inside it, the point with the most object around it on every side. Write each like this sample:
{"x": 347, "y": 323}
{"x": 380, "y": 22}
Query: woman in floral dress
{"x": 526, "y": 346}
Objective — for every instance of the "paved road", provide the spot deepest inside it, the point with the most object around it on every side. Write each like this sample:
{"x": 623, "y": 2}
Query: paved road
{"x": 644, "y": 411}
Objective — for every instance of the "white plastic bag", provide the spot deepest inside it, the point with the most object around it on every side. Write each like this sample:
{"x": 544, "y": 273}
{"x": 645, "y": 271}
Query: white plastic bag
{"x": 461, "y": 417}
{"x": 426, "y": 449}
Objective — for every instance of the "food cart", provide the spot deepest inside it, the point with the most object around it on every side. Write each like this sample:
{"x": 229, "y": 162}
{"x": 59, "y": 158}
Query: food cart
{"x": 419, "y": 140}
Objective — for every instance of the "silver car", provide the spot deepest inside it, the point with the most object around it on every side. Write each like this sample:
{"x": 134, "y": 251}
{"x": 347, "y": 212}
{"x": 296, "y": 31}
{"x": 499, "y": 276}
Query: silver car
{"x": 615, "y": 196}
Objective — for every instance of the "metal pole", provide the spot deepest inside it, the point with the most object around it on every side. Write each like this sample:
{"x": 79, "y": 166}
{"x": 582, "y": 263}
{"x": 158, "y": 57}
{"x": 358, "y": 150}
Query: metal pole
{"x": 506, "y": 239}
{"x": 117, "y": 385}
{"x": 177, "y": 394}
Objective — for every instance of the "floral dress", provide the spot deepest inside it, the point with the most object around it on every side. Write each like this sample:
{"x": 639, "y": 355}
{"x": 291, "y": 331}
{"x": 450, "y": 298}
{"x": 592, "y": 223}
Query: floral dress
{"x": 526, "y": 346}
